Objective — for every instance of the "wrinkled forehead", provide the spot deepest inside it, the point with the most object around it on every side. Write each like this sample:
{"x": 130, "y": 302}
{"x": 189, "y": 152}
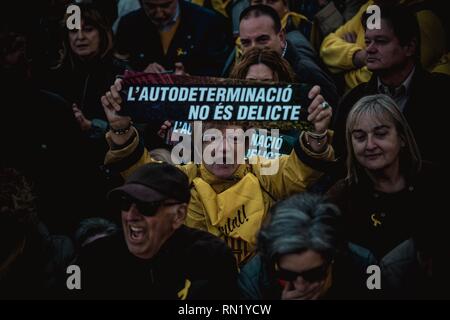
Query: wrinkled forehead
{"x": 385, "y": 30}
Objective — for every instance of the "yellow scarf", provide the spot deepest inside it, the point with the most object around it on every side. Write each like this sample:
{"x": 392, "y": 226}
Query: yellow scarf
{"x": 218, "y": 5}
{"x": 236, "y": 214}
{"x": 296, "y": 18}
{"x": 167, "y": 36}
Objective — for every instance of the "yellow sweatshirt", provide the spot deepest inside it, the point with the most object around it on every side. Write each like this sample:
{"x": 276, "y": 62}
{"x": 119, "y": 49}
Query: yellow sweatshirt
{"x": 443, "y": 65}
{"x": 233, "y": 209}
{"x": 338, "y": 54}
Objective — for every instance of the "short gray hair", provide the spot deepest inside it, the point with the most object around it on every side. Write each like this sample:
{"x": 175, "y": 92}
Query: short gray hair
{"x": 302, "y": 222}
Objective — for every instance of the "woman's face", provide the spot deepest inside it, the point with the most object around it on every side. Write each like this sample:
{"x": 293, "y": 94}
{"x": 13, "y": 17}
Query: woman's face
{"x": 260, "y": 72}
{"x": 304, "y": 275}
{"x": 222, "y": 158}
{"x": 376, "y": 144}
{"x": 85, "y": 43}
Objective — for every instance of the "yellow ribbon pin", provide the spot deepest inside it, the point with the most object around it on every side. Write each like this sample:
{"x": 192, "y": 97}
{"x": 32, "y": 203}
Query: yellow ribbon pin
{"x": 181, "y": 52}
{"x": 183, "y": 293}
{"x": 375, "y": 221}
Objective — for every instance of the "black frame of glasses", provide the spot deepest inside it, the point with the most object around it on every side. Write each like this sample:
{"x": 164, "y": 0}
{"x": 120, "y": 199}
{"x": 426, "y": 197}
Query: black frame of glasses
{"x": 147, "y": 209}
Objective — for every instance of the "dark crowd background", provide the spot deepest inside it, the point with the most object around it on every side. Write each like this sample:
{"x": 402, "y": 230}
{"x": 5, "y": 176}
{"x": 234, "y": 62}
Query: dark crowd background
{"x": 54, "y": 178}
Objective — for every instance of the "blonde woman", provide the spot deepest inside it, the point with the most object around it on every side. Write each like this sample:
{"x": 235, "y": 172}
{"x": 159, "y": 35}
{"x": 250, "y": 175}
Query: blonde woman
{"x": 385, "y": 198}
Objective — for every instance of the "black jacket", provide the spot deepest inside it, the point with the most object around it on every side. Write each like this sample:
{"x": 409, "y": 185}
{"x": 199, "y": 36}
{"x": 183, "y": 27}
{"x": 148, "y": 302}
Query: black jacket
{"x": 36, "y": 271}
{"x": 41, "y": 138}
{"x": 84, "y": 83}
{"x": 109, "y": 270}
{"x": 307, "y": 66}
{"x": 201, "y": 42}
{"x": 381, "y": 221}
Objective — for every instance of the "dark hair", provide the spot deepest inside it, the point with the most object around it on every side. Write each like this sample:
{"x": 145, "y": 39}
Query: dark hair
{"x": 268, "y": 57}
{"x": 92, "y": 16}
{"x": 261, "y": 10}
{"x": 403, "y": 22}
{"x": 92, "y": 227}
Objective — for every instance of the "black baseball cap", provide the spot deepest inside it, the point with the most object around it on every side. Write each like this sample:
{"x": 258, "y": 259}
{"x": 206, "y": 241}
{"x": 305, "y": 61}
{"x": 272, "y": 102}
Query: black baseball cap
{"x": 155, "y": 181}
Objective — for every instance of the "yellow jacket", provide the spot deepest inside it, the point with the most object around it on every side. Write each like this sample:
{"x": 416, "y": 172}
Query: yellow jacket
{"x": 443, "y": 65}
{"x": 233, "y": 209}
{"x": 338, "y": 54}
{"x": 218, "y": 5}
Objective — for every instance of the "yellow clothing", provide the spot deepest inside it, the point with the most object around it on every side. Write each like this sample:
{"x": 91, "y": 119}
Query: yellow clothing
{"x": 296, "y": 19}
{"x": 218, "y": 5}
{"x": 338, "y": 54}
{"x": 234, "y": 209}
{"x": 443, "y": 66}
{"x": 233, "y": 214}
{"x": 167, "y": 35}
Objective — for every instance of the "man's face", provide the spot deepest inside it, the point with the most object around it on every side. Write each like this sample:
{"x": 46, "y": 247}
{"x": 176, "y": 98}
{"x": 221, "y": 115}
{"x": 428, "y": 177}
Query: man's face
{"x": 160, "y": 12}
{"x": 260, "y": 32}
{"x": 278, "y": 5}
{"x": 384, "y": 51}
{"x": 227, "y": 151}
{"x": 145, "y": 235}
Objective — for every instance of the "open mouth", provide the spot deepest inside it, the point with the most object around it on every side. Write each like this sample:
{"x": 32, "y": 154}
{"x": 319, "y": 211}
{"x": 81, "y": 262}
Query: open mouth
{"x": 136, "y": 234}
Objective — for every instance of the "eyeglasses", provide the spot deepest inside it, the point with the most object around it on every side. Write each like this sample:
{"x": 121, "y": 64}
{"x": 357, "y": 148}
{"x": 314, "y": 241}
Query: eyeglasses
{"x": 147, "y": 209}
{"x": 312, "y": 275}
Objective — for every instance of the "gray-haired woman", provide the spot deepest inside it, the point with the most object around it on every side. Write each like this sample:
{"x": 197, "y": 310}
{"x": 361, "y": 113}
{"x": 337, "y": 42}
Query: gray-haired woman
{"x": 302, "y": 255}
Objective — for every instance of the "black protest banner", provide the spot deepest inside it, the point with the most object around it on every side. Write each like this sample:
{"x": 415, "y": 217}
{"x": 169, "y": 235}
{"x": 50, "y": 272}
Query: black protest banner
{"x": 158, "y": 97}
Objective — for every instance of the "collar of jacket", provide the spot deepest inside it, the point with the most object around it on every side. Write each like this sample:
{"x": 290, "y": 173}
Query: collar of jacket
{"x": 218, "y": 184}
{"x": 290, "y": 55}
{"x": 415, "y": 86}
{"x": 170, "y": 249}
{"x": 372, "y": 85}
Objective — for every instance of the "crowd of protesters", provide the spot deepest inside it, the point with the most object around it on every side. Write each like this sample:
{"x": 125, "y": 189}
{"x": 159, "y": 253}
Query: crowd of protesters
{"x": 83, "y": 185}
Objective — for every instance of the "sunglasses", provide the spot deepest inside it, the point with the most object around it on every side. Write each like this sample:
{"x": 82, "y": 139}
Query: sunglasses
{"x": 312, "y": 275}
{"x": 147, "y": 209}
